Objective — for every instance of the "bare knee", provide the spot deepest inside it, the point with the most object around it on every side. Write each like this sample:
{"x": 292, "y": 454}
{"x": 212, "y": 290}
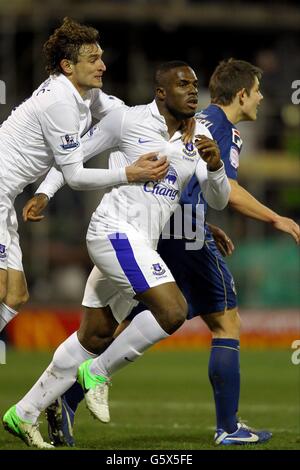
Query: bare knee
{"x": 95, "y": 342}
{"x": 16, "y": 300}
{"x": 172, "y": 316}
{"x": 167, "y": 305}
{"x": 224, "y": 324}
{"x": 16, "y": 289}
{"x": 96, "y": 330}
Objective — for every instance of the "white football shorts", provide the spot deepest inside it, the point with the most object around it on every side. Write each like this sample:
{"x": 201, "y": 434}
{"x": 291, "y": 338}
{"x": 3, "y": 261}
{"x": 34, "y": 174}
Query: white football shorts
{"x": 127, "y": 265}
{"x": 100, "y": 292}
{"x": 10, "y": 251}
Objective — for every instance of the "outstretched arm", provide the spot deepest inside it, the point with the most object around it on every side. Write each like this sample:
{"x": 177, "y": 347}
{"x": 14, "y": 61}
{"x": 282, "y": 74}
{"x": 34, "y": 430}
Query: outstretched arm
{"x": 146, "y": 168}
{"x": 242, "y": 201}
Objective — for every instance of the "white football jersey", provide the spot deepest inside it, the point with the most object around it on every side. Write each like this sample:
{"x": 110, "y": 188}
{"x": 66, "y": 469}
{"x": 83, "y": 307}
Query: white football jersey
{"x": 47, "y": 129}
{"x": 146, "y": 207}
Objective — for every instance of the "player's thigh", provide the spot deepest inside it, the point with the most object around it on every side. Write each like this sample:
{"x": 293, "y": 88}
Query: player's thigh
{"x": 102, "y": 307}
{"x": 218, "y": 308}
{"x": 16, "y": 286}
{"x": 187, "y": 269}
{"x": 204, "y": 278}
{"x": 167, "y": 304}
{"x": 101, "y": 292}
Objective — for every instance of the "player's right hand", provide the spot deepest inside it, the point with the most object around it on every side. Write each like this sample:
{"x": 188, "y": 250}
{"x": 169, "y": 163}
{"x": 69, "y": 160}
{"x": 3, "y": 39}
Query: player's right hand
{"x": 147, "y": 167}
{"x": 223, "y": 242}
{"x": 289, "y": 226}
{"x": 209, "y": 152}
{"x": 34, "y": 207}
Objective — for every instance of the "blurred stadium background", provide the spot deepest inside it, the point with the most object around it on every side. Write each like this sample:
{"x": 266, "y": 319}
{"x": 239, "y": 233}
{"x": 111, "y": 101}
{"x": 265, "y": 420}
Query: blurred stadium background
{"x": 136, "y": 36}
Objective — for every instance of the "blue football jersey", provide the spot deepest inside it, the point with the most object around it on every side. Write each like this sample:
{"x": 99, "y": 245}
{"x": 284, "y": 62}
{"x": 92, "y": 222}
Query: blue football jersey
{"x": 230, "y": 143}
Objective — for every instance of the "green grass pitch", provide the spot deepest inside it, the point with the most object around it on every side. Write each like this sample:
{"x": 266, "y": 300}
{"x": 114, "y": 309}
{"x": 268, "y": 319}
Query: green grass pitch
{"x": 164, "y": 401}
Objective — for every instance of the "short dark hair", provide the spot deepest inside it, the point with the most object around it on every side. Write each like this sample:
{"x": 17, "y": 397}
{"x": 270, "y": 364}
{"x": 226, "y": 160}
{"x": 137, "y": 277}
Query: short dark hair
{"x": 162, "y": 69}
{"x": 65, "y": 43}
{"x": 231, "y": 76}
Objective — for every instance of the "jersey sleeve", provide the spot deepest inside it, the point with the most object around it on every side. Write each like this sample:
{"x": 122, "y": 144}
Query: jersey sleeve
{"x": 61, "y": 128}
{"x": 214, "y": 185}
{"x": 52, "y": 183}
{"x": 102, "y": 104}
{"x": 230, "y": 145}
{"x": 105, "y": 135}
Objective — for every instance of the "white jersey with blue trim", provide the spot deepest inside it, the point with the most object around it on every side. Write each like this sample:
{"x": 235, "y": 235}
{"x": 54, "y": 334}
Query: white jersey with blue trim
{"x": 47, "y": 129}
{"x": 146, "y": 207}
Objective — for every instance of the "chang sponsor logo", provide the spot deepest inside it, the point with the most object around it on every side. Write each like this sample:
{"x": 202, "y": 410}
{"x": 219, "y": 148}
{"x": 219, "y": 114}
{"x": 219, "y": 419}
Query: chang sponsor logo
{"x": 165, "y": 188}
{"x": 171, "y": 176}
{"x": 159, "y": 189}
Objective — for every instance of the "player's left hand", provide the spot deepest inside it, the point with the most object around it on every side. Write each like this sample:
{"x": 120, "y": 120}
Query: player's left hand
{"x": 289, "y": 226}
{"x": 188, "y": 130}
{"x": 32, "y": 211}
{"x": 209, "y": 152}
{"x": 223, "y": 242}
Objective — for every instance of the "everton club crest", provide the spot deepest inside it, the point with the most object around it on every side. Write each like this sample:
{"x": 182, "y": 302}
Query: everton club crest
{"x": 158, "y": 270}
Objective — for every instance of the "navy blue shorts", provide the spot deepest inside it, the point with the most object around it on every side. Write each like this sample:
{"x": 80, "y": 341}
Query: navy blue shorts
{"x": 202, "y": 276}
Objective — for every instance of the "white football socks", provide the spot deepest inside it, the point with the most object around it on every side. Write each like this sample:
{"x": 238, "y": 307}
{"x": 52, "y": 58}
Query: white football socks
{"x": 6, "y": 315}
{"x": 141, "y": 334}
{"x": 57, "y": 378}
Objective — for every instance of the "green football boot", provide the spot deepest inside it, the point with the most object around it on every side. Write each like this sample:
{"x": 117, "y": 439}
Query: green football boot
{"x": 28, "y": 432}
{"x": 95, "y": 389}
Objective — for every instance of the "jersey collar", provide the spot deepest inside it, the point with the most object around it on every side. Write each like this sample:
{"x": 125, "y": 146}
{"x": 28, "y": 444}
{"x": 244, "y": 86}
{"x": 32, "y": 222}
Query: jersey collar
{"x": 215, "y": 107}
{"x": 156, "y": 114}
{"x": 63, "y": 79}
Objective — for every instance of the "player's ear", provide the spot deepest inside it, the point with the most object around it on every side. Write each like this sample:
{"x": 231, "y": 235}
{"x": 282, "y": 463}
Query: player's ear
{"x": 160, "y": 92}
{"x": 241, "y": 96}
{"x": 66, "y": 66}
